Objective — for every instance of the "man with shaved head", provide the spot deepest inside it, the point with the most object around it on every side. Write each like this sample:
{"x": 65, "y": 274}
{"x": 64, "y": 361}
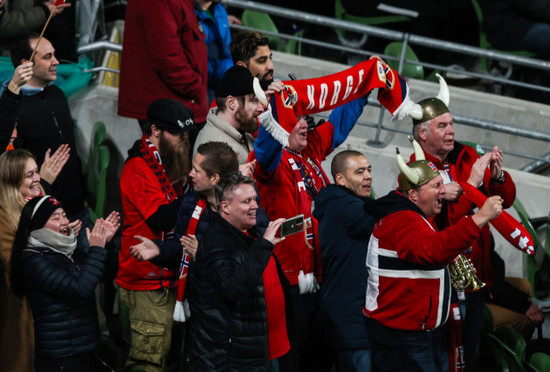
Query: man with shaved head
{"x": 344, "y": 232}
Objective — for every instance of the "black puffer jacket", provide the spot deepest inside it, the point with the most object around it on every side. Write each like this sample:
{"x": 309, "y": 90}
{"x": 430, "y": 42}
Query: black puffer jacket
{"x": 61, "y": 294}
{"x": 228, "y": 323}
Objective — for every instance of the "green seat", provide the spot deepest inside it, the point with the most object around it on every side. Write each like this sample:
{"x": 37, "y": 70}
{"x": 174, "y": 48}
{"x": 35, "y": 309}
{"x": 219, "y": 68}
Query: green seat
{"x": 294, "y": 46}
{"x": 413, "y": 71}
{"x": 490, "y": 356}
{"x": 540, "y": 361}
{"x": 508, "y": 356}
{"x": 513, "y": 340}
{"x": 98, "y": 162}
{"x": 484, "y": 43}
{"x": 476, "y": 146}
{"x": 341, "y": 13}
{"x": 261, "y": 21}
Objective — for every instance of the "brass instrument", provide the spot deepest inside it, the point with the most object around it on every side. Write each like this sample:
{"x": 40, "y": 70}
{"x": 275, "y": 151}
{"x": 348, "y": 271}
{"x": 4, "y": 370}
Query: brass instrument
{"x": 463, "y": 274}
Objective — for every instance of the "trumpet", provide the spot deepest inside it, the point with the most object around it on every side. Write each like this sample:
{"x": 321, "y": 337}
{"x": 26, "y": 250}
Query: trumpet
{"x": 463, "y": 274}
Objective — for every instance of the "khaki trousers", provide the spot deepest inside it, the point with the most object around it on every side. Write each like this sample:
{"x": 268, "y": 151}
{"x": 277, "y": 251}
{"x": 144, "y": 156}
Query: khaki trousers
{"x": 151, "y": 317}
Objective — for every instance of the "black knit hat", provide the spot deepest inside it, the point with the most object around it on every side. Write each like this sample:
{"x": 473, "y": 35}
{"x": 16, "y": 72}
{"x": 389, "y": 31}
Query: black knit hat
{"x": 44, "y": 206}
{"x": 236, "y": 82}
{"x": 171, "y": 115}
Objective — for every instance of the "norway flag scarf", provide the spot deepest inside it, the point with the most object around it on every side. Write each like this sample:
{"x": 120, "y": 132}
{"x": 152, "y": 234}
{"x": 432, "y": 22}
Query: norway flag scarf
{"x": 309, "y": 96}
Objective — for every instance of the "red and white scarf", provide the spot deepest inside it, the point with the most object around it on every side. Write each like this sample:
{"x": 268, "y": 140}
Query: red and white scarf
{"x": 309, "y": 96}
{"x": 181, "y": 311}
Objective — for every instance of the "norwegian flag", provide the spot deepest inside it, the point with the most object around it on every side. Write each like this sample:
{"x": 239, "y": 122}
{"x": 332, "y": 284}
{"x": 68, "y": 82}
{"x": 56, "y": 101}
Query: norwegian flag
{"x": 59, "y": 2}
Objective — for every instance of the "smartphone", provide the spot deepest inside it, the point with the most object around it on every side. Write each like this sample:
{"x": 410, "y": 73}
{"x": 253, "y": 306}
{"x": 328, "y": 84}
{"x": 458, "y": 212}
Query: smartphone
{"x": 292, "y": 225}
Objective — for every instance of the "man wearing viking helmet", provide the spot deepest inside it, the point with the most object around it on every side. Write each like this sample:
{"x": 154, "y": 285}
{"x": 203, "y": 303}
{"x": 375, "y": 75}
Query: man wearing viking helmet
{"x": 457, "y": 163}
{"x": 408, "y": 288}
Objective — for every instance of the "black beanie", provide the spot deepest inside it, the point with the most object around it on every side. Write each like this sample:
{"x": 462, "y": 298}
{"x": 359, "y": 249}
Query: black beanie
{"x": 237, "y": 81}
{"x": 42, "y": 211}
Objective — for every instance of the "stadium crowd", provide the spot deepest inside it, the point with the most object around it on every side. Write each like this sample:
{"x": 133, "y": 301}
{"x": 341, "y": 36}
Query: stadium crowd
{"x": 238, "y": 252}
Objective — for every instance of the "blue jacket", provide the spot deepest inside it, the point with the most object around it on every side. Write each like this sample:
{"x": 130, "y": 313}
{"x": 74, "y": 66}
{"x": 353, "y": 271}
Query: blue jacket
{"x": 218, "y": 37}
{"x": 344, "y": 232}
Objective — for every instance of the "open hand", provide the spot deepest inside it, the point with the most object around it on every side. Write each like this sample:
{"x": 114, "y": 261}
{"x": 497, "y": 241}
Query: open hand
{"x": 76, "y": 226}
{"x": 52, "y": 165}
{"x": 478, "y": 170}
{"x": 112, "y": 224}
{"x": 97, "y": 237}
{"x": 144, "y": 251}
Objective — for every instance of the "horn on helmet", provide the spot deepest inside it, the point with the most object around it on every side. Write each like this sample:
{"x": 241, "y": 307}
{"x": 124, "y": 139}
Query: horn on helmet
{"x": 443, "y": 95}
{"x": 411, "y": 174}
{"x": 418, "y": 152}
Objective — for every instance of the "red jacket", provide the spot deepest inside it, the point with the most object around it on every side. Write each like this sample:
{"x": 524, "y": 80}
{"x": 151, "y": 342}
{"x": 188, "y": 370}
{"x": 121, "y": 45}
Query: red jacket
{"x": 141, "y": 195}
{"x": 280, "y": 198}
{"x": 461, "y": 159}
{"x": 164, "y": 56}
{"x": 408, "y": 286}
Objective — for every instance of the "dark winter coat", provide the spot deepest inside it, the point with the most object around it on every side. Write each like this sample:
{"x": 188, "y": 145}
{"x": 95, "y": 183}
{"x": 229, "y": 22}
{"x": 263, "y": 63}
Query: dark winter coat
{"x": 344, "y": 232}
{"x": 61, "y": 295}
{"x": 228, "y": 324}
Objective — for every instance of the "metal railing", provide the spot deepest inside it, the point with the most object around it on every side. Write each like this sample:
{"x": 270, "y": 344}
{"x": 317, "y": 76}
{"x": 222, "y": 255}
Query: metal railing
{"x": 393, "y": 35}
{"x": 406, "y": 38}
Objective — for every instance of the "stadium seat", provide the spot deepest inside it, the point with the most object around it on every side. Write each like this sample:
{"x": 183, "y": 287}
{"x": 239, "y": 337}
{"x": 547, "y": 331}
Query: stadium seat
{"x": 410, "y": 70}
{"x": 540, "y": 361}
{"x": 507, "y": 356}
{"x": 513, "y": 340}
{"x": 98, "y": 162}
{"x": 484, "y": 43}
{"x": 261, "y": 21}
{"x": 341, "y": 13}
{"x": 490, "y": 357}
{"x": 294, "y": 46}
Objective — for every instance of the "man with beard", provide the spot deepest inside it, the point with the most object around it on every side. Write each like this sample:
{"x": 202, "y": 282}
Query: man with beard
{"x": 150, "y": 204}
{"x": 234, "y": 119}
{"x": 250, "y": 49}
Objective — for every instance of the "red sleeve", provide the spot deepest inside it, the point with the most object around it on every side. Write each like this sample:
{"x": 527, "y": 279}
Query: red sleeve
{"x": 139, "y": 183}
{"x": 170, "y": 34}
{"x": 507, "y": 190}
{"x": 417, "y": 242}
{"x": 320, "y": 140}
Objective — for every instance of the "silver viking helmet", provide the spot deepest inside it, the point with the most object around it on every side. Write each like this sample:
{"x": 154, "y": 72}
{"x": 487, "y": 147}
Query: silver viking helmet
{"x": 418, "y": 172}
{"x": 433, "y": 107}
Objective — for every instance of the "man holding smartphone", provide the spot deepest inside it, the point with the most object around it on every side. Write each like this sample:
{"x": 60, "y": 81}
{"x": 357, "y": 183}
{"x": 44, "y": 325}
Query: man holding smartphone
{"x": 344, "y": 232}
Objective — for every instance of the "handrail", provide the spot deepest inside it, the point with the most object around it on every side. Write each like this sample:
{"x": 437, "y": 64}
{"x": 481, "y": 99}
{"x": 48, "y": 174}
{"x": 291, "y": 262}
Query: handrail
{"x": 399, "y": 36}
{"x": 98, "y": 46}
{"x": 465, "y": 120}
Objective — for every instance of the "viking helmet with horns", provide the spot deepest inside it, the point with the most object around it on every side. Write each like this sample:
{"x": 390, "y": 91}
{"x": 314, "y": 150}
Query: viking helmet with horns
{"x": 416, "y": 173}
{"x": 433, "y": 107}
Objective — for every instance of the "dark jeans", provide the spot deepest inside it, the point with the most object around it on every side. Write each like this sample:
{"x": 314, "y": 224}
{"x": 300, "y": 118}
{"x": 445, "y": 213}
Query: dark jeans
{"x": 471, "y": 313}
{"x": 77, "y": 363}
{"x": 408, "y": 351}
{"x": 309, "y": 350}
{"x": 355, "y": 360}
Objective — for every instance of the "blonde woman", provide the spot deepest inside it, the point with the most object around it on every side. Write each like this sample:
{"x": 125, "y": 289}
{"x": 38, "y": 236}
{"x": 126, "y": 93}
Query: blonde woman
{"x": 20, "y": 181}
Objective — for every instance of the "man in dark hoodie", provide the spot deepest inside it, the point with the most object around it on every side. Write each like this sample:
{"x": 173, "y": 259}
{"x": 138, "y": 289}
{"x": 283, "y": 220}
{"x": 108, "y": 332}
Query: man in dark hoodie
{"x": 344, "y": 232}
{"x": 408, "y": 289}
